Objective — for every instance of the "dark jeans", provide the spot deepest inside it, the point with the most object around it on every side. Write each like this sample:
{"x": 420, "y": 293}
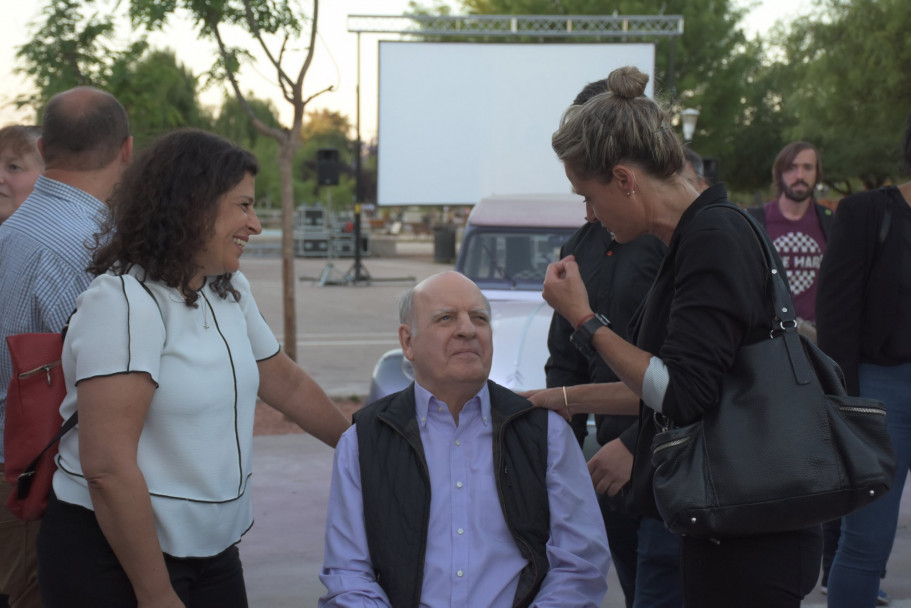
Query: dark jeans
{"x": 753, "y": 572}
{"x": 622, "y": 537}
{"x": 867, "y": 535}
{"x": 78, "y": 569}
{"x": 658, "y": 582}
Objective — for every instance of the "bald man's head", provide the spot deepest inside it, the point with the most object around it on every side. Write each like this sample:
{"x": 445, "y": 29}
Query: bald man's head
{"x": 83, "y": 129}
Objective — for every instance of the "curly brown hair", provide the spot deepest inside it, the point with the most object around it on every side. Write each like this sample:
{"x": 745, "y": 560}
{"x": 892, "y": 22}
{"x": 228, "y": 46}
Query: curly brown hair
{"x": 163, "y": 211}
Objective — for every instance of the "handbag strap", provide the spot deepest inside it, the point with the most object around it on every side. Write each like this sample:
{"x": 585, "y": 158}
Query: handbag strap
{"x": 24, "y": 481}
{"x": 785, "y": 321}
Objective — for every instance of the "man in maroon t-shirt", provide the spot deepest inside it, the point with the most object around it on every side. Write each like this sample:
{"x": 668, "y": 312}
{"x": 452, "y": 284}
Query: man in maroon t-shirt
{"x": 798, "y": 225}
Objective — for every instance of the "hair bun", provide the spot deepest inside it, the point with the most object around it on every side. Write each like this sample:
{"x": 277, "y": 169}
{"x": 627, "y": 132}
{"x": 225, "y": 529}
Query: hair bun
{"x": 627, "y": 82}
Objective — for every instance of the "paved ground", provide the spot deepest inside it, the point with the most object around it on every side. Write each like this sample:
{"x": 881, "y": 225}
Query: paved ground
{"x": 342, "y": 330}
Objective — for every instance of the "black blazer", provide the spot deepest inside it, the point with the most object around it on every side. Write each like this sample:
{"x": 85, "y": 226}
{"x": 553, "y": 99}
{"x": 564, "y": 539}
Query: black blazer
{"x": 857, "y": 303}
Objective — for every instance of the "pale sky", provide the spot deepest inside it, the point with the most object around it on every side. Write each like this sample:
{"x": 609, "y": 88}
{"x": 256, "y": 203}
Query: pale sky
{"x": 335, "y": 61}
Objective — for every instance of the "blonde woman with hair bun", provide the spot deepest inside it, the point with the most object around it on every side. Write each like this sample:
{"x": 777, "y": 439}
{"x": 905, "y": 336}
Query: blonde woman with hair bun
{"x": 622, "y": 155}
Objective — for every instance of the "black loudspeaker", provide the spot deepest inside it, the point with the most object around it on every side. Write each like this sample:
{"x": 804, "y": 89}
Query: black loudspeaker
{"x": 327, "y": 166}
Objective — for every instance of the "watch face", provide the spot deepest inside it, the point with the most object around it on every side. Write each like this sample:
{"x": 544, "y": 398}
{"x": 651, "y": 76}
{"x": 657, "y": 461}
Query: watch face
{"x": 581, "y": 344}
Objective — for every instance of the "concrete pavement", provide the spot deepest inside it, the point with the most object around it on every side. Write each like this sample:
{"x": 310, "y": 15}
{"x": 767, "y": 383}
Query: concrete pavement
{"x": 342, "y": 330}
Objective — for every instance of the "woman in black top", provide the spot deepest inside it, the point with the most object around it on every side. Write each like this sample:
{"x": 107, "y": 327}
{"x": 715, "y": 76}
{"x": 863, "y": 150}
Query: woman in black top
{"x": 620, "y": 152}
{"x": 863, "y": 310}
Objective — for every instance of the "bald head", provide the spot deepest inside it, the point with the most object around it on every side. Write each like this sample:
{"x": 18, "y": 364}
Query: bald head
{"x": 441, "y": 279}
{"x": 446, "y": 334}
{"x": 83, "y": 129}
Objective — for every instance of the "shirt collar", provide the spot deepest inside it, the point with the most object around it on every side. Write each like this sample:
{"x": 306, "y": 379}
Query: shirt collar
{"x": 423, "y": 399}
{"x": 94, "y": 209}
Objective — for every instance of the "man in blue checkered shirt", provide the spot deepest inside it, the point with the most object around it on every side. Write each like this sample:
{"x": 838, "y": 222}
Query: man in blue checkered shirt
{"x": 45, "y": 248}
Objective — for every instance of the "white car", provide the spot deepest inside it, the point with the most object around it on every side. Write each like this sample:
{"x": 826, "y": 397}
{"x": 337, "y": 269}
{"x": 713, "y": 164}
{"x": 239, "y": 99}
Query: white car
{"x": 508, "y": 243}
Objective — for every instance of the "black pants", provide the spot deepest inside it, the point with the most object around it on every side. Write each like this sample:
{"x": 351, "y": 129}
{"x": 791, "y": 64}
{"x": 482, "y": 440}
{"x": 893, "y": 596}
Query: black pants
{"x": 77, "y": 568}
{"x": 773, "y": 570}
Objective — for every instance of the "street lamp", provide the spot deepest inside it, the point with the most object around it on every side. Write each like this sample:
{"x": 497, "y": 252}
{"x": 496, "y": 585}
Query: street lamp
{"x": 689, "y": 117}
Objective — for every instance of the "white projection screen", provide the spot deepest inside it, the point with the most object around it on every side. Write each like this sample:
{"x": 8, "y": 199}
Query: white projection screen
{"x": 461, "y": 121}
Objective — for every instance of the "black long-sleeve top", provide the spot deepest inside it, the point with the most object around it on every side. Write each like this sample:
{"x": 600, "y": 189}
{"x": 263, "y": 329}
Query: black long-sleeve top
{"x": 617, "y": 277}
{"x": 710, "y": 297}
{"x": 862, "y": 306}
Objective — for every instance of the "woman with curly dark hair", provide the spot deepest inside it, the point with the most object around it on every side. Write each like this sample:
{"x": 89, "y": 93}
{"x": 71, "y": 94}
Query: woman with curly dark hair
{"x": 164, "y": 358}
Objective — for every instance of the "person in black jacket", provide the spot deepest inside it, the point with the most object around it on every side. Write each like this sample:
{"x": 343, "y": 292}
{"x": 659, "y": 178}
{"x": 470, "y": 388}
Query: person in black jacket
{"x": 864, "y": 323}
{"x": 617, "y": 277}
{"x": 709, "y": 299}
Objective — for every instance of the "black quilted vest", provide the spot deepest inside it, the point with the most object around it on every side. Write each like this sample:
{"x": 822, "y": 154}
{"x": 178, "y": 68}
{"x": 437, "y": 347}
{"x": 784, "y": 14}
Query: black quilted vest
{"x": 396, "y": 489}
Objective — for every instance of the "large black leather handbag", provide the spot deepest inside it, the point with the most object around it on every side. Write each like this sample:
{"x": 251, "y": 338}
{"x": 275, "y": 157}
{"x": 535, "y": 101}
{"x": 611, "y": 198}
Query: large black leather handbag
{"x": 785, "y": 448}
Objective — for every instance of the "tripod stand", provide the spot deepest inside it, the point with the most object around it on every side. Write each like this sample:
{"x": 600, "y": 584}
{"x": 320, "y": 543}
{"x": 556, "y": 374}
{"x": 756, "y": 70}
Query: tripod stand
{"x": 357, "y": 273}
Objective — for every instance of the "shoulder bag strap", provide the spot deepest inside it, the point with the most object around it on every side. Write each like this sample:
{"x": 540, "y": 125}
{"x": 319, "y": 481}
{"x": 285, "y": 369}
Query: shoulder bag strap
{"x": 887, "y": 221}
{"x": 24, "y": 481}
{"x": 785, "y": 313}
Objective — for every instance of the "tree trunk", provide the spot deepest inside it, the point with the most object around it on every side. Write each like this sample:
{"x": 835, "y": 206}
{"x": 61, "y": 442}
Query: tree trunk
{"x": 285, "y": 167}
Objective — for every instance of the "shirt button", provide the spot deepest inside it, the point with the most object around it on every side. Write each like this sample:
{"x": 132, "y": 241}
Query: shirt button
{"x": 458, "y": 484}
{"x": 457, "y": 442}
{"x": 459, "y": 573}
{"x": 460, "y": 531}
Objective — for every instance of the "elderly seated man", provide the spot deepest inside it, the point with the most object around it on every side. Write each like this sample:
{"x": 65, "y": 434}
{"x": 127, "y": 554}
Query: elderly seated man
{"x": 456, "y": 491}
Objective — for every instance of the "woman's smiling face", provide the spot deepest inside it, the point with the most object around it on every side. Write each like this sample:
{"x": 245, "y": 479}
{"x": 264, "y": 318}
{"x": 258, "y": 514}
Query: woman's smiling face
{"x": 235, "y": 222}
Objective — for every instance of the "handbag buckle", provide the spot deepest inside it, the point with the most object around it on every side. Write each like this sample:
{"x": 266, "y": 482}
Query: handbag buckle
{"x": 662, "y": 422}
{"x": 783, "y": 326}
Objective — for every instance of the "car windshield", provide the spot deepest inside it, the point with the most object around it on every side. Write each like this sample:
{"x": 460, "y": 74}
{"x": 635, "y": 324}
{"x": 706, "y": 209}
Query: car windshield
{"x": 498, "y": 258}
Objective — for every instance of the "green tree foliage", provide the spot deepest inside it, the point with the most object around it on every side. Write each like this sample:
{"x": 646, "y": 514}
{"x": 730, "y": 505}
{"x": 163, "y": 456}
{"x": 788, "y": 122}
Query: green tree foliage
{"x": 234, "y": 123}
{"x": 749, "y": 145}
{"x": 72, "y": 48}
{"x": 851, "y": 88}
{"x": 321, "y": 129}
{"x": 275, "y": 28}
{"x": 159, "y": 94}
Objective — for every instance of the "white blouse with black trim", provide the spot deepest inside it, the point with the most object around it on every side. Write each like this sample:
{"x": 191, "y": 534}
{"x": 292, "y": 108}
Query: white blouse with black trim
{"x": 195, "y": 450}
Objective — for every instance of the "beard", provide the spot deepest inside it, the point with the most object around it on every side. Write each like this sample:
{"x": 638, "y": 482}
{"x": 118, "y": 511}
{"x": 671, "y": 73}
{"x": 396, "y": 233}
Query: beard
{"x": 797, "y": 197}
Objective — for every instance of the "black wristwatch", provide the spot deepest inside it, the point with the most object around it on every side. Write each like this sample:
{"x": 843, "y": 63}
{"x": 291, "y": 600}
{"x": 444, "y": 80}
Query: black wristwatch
{"x": 582, "y": 337}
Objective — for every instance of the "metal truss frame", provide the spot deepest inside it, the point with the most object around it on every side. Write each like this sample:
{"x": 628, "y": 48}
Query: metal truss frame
{"x": 514, "y": 26}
